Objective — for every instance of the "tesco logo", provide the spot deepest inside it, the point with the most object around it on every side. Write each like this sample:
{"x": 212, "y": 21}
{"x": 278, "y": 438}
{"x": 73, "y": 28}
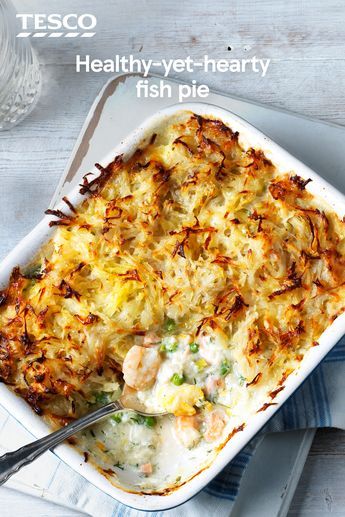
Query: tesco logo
{"x": 57, "y": 25}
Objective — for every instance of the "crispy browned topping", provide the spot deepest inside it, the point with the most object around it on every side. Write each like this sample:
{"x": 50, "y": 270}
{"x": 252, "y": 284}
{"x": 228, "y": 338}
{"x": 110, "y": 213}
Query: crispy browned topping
{"x": 194, "y": 228}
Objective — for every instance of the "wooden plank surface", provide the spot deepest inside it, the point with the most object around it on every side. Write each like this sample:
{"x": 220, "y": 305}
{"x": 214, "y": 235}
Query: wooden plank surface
{"x": 305, "y": 39}
{"x": 321, "y": 489}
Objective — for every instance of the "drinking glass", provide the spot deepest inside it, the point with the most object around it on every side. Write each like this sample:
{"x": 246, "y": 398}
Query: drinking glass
{"x": 20, "y": 79}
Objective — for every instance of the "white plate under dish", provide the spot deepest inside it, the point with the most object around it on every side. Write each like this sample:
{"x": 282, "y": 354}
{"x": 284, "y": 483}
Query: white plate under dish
{"x": 27, "y": 248}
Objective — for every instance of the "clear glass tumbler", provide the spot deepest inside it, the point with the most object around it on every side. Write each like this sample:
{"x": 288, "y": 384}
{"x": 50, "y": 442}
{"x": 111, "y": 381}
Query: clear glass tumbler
{"x": 20, "y": 79}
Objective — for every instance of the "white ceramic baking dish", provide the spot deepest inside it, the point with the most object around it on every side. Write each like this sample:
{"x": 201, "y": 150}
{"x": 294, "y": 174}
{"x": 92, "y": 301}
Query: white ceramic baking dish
{"x": 27, "y": 248}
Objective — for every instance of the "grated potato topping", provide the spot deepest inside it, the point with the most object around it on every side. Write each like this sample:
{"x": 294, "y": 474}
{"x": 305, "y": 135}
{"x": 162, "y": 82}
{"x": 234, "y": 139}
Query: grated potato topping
{"x": 191, "y": 228}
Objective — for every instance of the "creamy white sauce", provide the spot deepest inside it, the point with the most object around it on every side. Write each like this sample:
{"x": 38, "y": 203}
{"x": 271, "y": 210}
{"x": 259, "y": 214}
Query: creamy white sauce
{"x": 128, "y": 445}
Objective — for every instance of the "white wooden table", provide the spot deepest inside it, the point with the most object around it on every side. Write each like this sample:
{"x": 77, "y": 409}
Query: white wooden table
{"x": 305, "y": 40}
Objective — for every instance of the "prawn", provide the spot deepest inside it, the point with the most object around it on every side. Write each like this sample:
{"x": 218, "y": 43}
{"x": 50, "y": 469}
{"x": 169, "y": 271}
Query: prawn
{"x": 213, "y": 385}
{"x": 140, "y": 367}
{"x": 151, "y": 339}
{"x": 214, "y": 425}
{"x": 187, "y": 430}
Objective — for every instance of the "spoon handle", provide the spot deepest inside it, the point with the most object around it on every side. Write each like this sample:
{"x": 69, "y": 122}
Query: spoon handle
{"x": 11, "y": 462}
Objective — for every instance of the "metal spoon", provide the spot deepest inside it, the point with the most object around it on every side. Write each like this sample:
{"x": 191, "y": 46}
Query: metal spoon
{"x": 11, "y": 462}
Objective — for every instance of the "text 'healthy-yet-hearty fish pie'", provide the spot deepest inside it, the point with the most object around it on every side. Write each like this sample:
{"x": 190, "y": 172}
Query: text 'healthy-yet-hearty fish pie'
{"x": 194, "y": 272}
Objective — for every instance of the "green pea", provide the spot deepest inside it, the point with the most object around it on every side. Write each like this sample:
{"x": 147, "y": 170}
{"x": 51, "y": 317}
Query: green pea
{"x": 177, "y": 379}
{"x": 170, "y": 325}
{"x": 194, "y": 348}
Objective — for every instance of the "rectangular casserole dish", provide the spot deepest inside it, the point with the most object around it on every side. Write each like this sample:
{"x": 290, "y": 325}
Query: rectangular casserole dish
{"x": 27, "y": 248}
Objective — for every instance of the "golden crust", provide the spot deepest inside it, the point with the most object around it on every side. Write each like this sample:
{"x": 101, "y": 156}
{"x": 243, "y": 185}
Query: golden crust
{"x": 192, "y": 227}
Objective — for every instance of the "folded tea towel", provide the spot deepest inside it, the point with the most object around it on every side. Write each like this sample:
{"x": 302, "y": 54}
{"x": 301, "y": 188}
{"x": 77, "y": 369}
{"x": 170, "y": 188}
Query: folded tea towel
{"x": 318, "y": 403}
